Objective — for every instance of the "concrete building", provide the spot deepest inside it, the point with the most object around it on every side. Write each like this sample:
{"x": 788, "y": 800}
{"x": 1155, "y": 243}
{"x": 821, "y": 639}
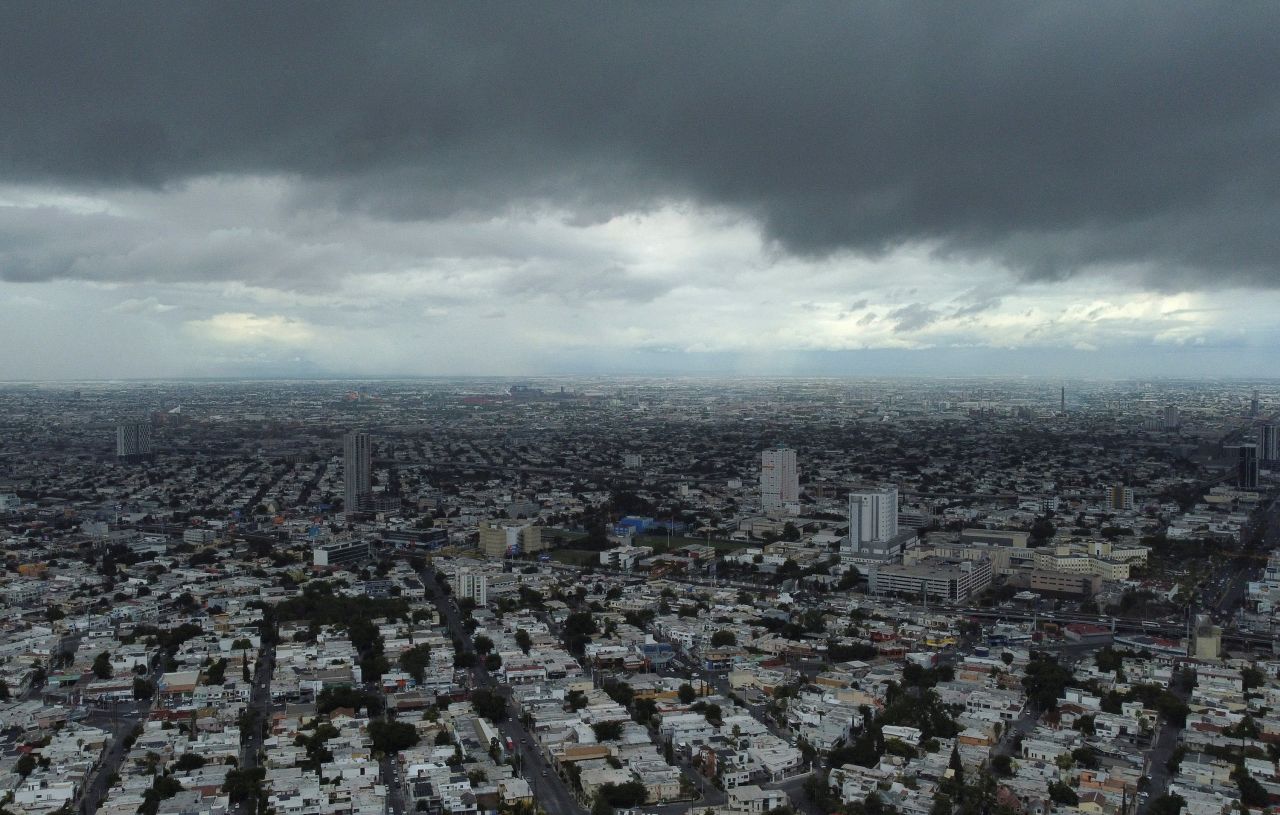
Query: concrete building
{"x": 947, "y": 581}
{"x": 509, "y": 540}
{"x": 133, "y": 440}
{"x": 750, "y": 799}
{"x": 1269, "y": 442}
{"x": 1121, "y": 498}
{"x": 357, "y": 490}
{"x": 340, "y": 553}
{"x": 624, "y": 557}
{"x": 996, "y": 537}
{"x": 1245, "y": 460}
{"x": 873, "y": 514}
{"x": 1206, "y": 640}
{"x": 471, "y": 583}
{"x": 1066, "y": 584}
{"x": 198, "y": 536}
{"x": 779, "y": 479}
{"x": 873, "y": 528}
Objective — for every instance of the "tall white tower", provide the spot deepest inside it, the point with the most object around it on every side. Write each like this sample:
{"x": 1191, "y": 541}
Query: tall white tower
{"x": 876, "y": 514}
{"x": 779, "y": 480}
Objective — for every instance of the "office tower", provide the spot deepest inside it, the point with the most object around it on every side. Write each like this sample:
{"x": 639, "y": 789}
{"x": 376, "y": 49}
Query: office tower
{"x": 1172, "y": 418}
{"x": 1269, "y": 442}
{"x": 133, "y": 440}
{"x": 357, "y": 492}
{"x": 1121, "y": 498}
{"x": 1247, "y": 466}
{"x": 875, "y": 513}
{"x": 1064, "y": 399}
{"x": 1253, "y": 404}
{"x": 779, "y": 481}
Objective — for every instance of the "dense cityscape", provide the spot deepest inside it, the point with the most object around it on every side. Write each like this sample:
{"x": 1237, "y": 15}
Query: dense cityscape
{"x": 666, "y": 596}
{"x": 639, "y": 408}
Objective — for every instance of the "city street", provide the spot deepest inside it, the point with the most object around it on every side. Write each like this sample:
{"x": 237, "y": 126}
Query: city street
{"x": 549, "y": 789}
{"x": 119, "y": 719}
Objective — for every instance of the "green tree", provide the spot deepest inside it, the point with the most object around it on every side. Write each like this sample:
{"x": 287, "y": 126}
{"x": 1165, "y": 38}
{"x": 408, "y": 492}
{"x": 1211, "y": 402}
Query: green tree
{"x": 687, "y": 694}
{"x": 489, "y": 704}
{"x": 143, "y": 689}
{"x": 580, "y": 623}
{"x": 607, "y": 731}
{"x": 244, "y": 784}
{"x": 1252, "y": 794}
{"x": 723, "y": 638}
{"x": 163, "y": 788}
{"x": 523, "y": 640}
{"x": 1042, "y": 530}
{"x": 25, "y": 765}
{"x": 1044, "y": 681}
{"x": 1167, "y": 805}
{"x": 1060, "y": 793}
{"x": 391, "y": 737}
{"x": 102, "y": 665}
{"x": 415, "y": 661}
{"x": 625, "y": 796}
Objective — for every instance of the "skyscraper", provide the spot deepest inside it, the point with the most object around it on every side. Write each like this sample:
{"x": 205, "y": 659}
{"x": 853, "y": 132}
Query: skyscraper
{"x": 133, "y": 440}
{"x": 779, "y": 480}
{"x": 1246, "y": 463}
{"x": 357, "y": 490}
{"x": 1269, "y": 442}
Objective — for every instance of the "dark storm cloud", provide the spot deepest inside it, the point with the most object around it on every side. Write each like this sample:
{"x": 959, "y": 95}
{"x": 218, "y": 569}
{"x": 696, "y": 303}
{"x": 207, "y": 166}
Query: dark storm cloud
{"x": 1051, "y": 136}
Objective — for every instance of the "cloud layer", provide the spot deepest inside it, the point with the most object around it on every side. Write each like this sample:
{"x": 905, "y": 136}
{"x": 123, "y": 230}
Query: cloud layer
{"x": 1050, "y": 137}
{"x": 210, "y": 188}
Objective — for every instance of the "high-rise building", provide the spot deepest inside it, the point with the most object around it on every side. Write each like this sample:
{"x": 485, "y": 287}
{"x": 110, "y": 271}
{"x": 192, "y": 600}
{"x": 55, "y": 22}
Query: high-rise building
{"x": 357, "y": 490}
{"x": 509, "y": 540}
{"x": 1246, "y": 466}
{"x": 1121, "y": 498}
{"x": 133, "y": 440}
{"x": 1172, "y": 418}
{"x": 1269, "y": 442}
{"x": 876, "y": 513}
{"x": 1254, "y": 404}
{"x": 1206, "y": 641}
{"x": 471, "y": 583}
{"x": 873, "y": 527}
{"x": 779, "y": 479}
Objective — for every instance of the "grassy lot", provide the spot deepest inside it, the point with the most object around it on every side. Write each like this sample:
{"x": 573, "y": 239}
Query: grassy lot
{"x": 576, "y": 557}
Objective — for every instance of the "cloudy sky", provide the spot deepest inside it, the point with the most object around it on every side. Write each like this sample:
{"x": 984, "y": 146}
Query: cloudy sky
{"x": 345, "y": 189}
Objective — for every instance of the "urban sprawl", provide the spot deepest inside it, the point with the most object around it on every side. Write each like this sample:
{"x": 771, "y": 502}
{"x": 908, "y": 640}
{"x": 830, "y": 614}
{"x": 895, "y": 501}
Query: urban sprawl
{"x": 736, "y": 597}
